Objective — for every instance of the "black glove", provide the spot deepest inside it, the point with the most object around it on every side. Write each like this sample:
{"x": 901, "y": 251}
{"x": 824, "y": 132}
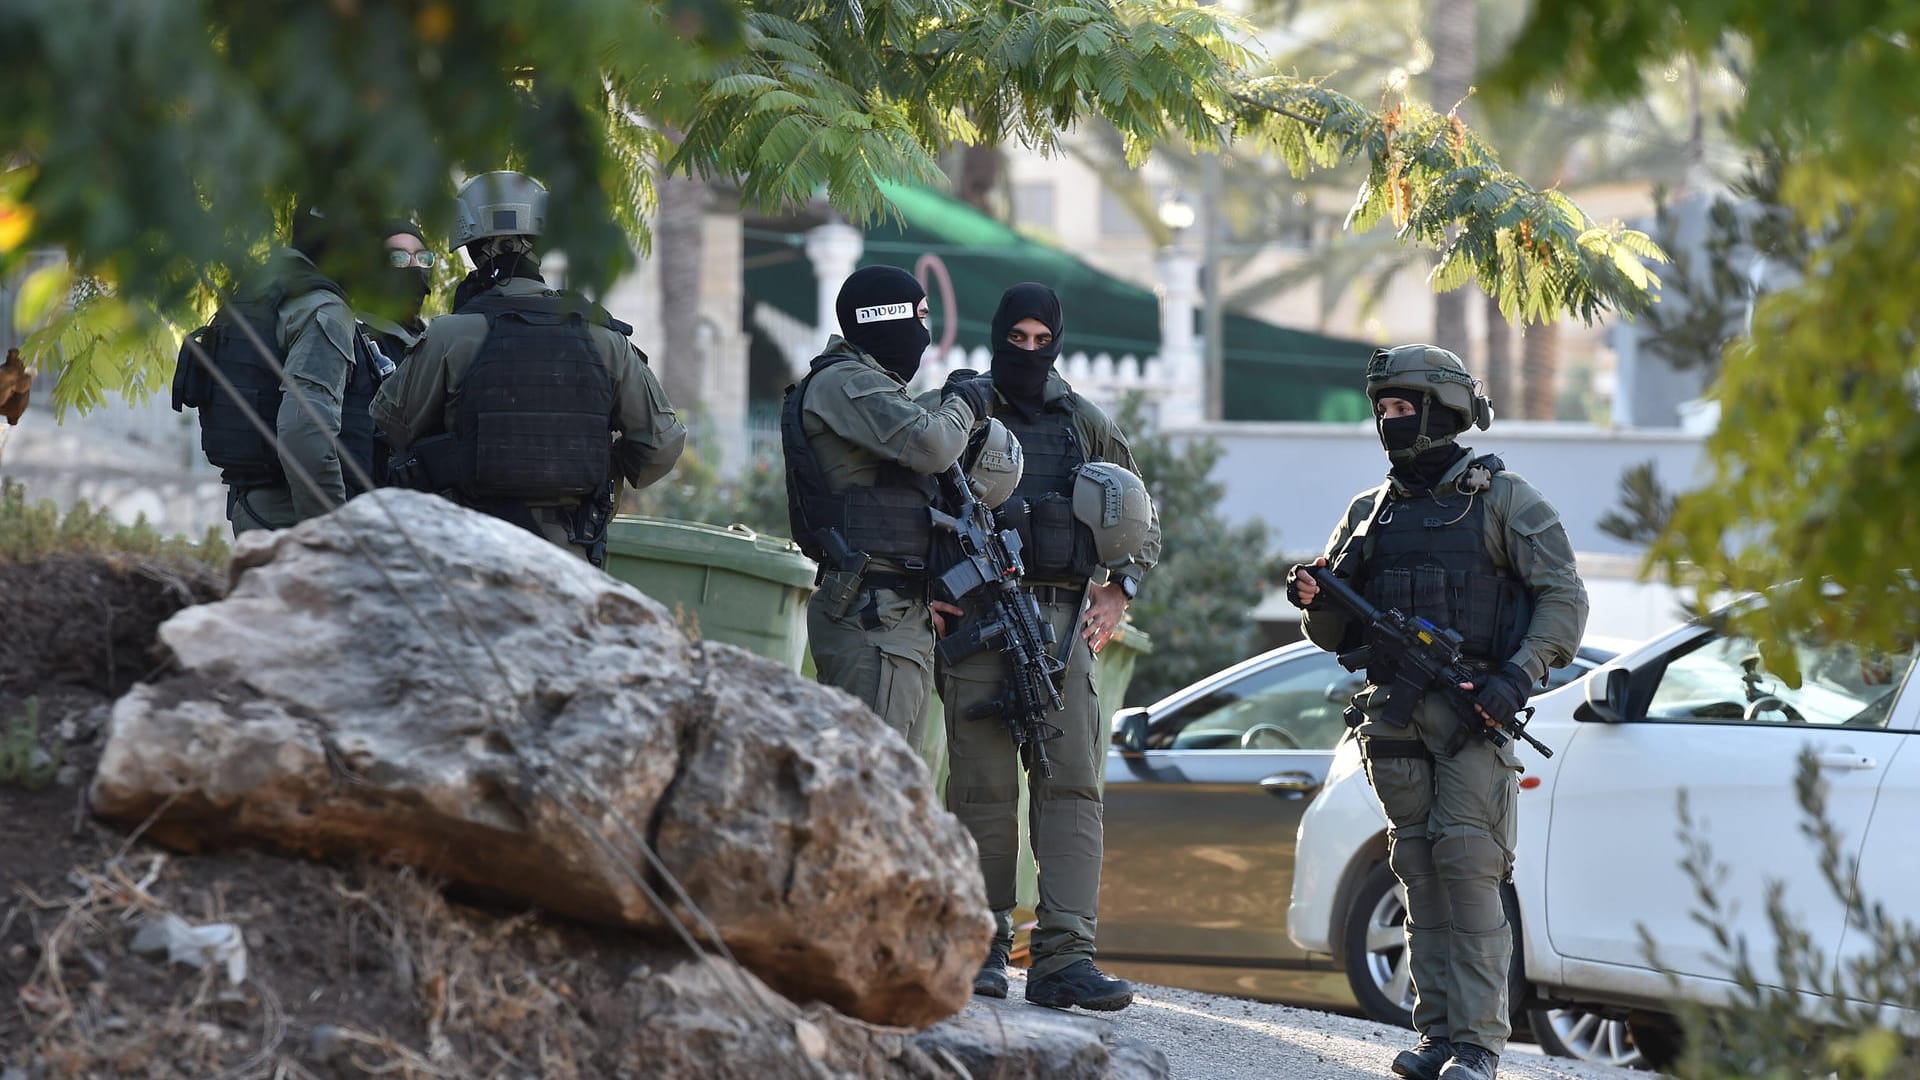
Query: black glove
{"x": 972, "y": 387}
{"x": 1293, "y": 585}
{"x": 1503, "y": 692}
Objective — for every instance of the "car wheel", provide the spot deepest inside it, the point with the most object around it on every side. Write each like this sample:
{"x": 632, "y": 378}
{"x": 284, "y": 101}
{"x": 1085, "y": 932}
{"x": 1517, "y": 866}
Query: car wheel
{"x": 1585, "y": 1036}
{"x": 1376, "y": 949}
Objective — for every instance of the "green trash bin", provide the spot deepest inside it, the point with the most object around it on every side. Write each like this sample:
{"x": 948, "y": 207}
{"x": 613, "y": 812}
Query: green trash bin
{"x": 727, "y": 584}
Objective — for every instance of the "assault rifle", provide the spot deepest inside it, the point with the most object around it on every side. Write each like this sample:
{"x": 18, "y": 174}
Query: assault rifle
{"x": 990, "y": 569}
{"x": 1425, "y": 659}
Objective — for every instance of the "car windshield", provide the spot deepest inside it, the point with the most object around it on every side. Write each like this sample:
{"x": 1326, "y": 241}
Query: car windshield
{"x": 1726, "y": 679}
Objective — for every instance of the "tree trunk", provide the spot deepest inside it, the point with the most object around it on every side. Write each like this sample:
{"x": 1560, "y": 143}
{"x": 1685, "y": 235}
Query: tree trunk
{"x": 1453, "y": 31}
{"x": 1503, "y": 382}
{"x": 980, "y": 169}
{"x": 1540, "y": 370}
{"x": 679, "y": 251}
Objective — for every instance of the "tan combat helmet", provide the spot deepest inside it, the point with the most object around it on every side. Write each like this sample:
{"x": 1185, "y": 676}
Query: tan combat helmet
{"x": 997, "y": 464}
{"x": 499, "y": 204}
{"x": 1428, "y": 375}
{"x": 1114, "y": 506}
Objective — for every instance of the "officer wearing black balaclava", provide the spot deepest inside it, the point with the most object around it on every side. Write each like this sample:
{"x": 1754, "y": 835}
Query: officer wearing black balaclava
{"x": 861, "y": 458}
{"x": 399, "y": 284}
{"x": 1083, "y": 575}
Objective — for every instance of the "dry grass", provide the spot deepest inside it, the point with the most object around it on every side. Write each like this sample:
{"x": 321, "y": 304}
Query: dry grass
{"x": 491, "y": 995}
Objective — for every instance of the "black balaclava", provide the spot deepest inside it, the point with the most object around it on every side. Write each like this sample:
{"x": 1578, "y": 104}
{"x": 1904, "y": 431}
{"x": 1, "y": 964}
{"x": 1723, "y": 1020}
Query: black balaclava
{"x": 1021, "y": 374}
{"x": 1398, "y": 436}
{"x": 879, "y": 312}
{"x": 399, "y": 290}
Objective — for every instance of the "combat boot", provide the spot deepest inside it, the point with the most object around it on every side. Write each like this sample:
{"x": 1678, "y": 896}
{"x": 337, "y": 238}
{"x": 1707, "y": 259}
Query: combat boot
{"x": 1423, "y": 1062}
{"x": 1082, "y": 984}
{"x": 992, "y": 979}
{"x": 1471, "y": 1062}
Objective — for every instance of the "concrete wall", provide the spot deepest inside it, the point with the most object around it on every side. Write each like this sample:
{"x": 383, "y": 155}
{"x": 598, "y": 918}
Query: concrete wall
{"x": 1299, "y": 478}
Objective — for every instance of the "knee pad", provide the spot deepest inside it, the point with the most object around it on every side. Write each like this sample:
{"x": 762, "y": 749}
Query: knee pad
{"x": 1471, "y": 868}
{"x": 1469, "y": 856}
{"x": 1411, "y": 857}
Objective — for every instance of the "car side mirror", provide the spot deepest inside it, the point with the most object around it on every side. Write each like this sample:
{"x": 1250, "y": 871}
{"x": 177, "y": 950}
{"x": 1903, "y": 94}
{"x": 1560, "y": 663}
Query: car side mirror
{"x": 1606, "y": 697}
{"x": 1130, "y": 730}
{"x": 1341, "y": 690}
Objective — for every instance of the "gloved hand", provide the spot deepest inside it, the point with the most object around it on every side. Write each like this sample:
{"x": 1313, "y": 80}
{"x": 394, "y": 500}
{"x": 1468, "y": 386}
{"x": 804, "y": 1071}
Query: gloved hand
{"x": 976, "y": 389}
{"x": 1293, "y": 586}
{"x": 1502, "y": 693}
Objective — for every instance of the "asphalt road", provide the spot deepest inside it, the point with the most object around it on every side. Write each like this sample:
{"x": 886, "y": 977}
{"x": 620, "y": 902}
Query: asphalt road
{"x": 1207, "y": 1037}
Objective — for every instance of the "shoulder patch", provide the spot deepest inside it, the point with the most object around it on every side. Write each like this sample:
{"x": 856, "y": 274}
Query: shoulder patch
{"x": 859, "y": 381}
{"x": 1535, "y": 515}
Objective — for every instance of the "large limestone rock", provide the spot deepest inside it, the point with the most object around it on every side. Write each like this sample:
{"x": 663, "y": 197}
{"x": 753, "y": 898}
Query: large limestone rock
{"x": 474, "y": 701}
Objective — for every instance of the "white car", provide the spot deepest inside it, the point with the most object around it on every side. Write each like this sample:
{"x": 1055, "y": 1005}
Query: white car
{"x": 1600, "y": 850}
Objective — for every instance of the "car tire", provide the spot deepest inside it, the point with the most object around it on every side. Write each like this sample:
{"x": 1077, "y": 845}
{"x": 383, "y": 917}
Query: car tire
{"x": 1376, "y": 950}
{"x": 1374, "y": 944}
{"x": 1585, "y": 1036}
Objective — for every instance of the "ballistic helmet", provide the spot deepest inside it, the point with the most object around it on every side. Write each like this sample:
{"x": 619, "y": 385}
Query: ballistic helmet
{"x": 499, "y": 204}
{"x": 1114, "y": 506}
{"x": 997, "y": 463}
{"x": 1428, "y": 375}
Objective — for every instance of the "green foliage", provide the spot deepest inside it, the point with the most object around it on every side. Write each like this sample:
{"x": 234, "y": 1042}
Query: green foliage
{"x": 157, "y": 143}
{"x": 1645, "y": 507}
{"x": 1703, "y": 307}
{"x": 756, "y": 498}
{"x": 1817, "y": 455}
{"x": 1197, "y": 604}
{"x": 35, "y": 530}
{"x": 1703, "y": 302}
{"x": 1769, "y": 1031}
{"x": 23, "y": 762}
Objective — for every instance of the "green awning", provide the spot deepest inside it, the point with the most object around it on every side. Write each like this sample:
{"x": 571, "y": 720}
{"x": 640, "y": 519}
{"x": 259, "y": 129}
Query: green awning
{"x": 1272, "y": 373}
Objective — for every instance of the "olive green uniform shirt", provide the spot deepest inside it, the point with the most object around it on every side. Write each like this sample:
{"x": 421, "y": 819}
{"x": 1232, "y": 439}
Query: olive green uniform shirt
{"x": 421, "y": 399}
{"x": 858, "y": 418}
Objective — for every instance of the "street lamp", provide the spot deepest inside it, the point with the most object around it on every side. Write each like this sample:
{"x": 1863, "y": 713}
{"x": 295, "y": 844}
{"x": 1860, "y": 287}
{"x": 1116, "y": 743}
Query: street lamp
{"x": 1176, "y": 213}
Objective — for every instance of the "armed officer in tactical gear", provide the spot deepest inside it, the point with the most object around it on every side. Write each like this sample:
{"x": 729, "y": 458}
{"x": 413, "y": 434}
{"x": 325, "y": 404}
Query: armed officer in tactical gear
{"x": 526, "y": 403}
{"x": 861, "y": 458}
{"x": 1460, "y": 541}
{"x": 317, "y": 410}
{"x": 1089, "y": 534}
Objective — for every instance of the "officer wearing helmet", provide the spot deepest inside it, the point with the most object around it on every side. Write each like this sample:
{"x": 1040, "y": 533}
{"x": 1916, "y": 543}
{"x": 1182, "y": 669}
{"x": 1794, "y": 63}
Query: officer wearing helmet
{"x": 1089, "y": 533}
{"x": 526, "y": 403}
{"x": 861, "y": 458}
{"x": 1464, "y": 543}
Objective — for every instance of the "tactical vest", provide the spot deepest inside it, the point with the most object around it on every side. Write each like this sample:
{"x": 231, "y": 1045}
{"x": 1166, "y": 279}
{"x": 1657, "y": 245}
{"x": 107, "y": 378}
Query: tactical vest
{"x": 887, "y": 519}
{"x": 1057, "y": 547}
{"x": 1428, "y": 557}
{"x": 228, "y": 432}
{"x": 536, "y": 406}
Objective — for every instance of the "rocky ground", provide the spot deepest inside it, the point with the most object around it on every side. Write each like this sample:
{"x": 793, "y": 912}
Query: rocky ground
{"x": 1222, "y": 1038}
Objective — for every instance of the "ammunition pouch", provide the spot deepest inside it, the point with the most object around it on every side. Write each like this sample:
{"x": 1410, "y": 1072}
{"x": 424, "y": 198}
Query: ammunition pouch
{"x": 442, "y": 464}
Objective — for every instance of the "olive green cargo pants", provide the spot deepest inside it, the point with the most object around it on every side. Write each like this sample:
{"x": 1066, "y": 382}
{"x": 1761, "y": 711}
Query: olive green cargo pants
{"x": 1451, "y": 833}
{"x": 1064, "y": 817}
{"x": 880, "y": 651}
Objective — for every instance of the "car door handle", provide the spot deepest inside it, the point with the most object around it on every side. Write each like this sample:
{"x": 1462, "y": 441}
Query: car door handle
{"x": 1846, "y": 759}
{"x": 1290, "y": 785}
